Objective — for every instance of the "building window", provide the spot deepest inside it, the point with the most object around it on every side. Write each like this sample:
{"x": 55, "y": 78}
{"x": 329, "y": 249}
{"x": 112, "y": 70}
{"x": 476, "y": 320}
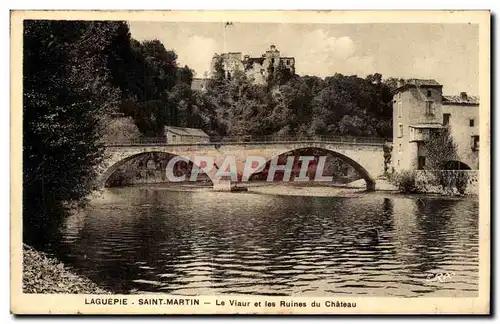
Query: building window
{"x": 471, "y": 122}
{"x": 262, "y": 71}
{"x": 475, "y": 143}
{"x": 400, "y": 147}
{"x": 272, "y": 60}
{"x": 446, "y": 119}
{"x": 400, "y": 109}
{"x": 399, "y": 95}
{"x": 400, "y": 130}
{"x": 429, "y": 93}
{"x": 287, "y": 62}
{"x": 429, "y": 108}
{"x": 421, "y": 162}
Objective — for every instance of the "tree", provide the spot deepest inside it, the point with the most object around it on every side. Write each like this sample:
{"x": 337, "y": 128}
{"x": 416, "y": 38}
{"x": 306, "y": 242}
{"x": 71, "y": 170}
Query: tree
{"x": 353, "y": 126}
{"x": 278, "y": 76}
{"x": 67, "y": 88}
{"x": 394, "y": 83}
{"x": 147, "y": 74}
{"x": 440, "y": 149}
{"x": 219, "y": 76}
{"x": 374, "y": 78}
{"x": 270, "y": 76}
{"x": 185, "y": 75}
{"x": 338, "y": 105}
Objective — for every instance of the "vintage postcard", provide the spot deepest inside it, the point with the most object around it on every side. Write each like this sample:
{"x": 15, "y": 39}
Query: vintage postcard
{"x": 246, "y": 162}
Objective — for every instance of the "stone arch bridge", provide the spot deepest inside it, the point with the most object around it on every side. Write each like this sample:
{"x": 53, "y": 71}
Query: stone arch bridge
{"x": 365, "y": 155}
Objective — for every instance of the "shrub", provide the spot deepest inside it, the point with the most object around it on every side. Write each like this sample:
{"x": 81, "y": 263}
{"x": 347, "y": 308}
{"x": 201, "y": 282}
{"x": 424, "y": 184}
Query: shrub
{"x": 462, "y": 179}
{"x": 451, "y": 179}
{"x": 406, "y": 181}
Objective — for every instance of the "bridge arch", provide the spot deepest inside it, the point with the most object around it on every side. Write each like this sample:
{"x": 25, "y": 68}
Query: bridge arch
{"x": 362, "y": 171}
{"x": 121, "y": 161}
{"x": 456, "y": 165}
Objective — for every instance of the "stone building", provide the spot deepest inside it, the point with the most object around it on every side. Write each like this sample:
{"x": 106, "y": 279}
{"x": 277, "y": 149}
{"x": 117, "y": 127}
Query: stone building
{"x": 178, "y": 135}
{"x": 419, "y": 108}
{"x": 199, "y": 84}
{"x": 461, "y": 113}
{"x": 256, "y": 68}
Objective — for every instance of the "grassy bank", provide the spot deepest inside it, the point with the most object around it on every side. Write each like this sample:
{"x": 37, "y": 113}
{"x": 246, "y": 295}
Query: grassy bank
{"x": 45, "y": 275}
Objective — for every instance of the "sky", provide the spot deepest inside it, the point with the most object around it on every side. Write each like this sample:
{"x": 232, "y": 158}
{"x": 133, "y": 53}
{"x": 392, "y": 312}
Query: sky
{"x": 448, "y": 53}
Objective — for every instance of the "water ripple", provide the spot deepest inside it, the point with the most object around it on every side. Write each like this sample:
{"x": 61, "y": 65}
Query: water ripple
{"x": 164, "y": 241}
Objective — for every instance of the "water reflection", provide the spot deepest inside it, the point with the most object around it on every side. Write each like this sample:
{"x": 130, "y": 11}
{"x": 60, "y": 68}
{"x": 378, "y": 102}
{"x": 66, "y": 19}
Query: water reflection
{"x": 153, "y": 240}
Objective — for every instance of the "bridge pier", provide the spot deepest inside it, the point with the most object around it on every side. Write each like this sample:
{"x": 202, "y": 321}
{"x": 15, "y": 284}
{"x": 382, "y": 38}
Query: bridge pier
{"x": 227, "y": 186}
{"x": 370, "y": 186}
{"x": 224, "y": 185}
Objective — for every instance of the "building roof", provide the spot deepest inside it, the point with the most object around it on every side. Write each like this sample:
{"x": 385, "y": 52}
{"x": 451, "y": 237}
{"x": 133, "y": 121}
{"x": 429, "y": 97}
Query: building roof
{"x": 422, "y": 82}
{"x": 182, "y": 131}
{"x": 460, "y": 100}
{"x": 410, "y": 83}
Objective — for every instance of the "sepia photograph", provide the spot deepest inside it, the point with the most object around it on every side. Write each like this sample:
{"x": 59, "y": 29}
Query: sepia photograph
{"x": 250, "y": 162}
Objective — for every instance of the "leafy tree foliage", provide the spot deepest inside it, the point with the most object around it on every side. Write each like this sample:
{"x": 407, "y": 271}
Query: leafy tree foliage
{"x": 151, "y": 82}
{"x": 440, "y": 150}
{"x": 294, "y": 105}
{"x": 441, "y": 155}
{"x": 67, "y": 87}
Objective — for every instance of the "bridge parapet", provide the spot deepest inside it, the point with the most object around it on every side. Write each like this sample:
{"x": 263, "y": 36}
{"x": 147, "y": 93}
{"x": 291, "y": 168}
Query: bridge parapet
{"x": 272, "y": 139}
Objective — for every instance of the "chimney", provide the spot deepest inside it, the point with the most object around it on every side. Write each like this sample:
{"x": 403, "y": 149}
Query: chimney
{"x": 463, "y": 95}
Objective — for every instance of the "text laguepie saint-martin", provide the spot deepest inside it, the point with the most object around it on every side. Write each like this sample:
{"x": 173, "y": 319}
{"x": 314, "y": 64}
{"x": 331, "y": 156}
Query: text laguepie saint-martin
{"x": 143, "y": 301}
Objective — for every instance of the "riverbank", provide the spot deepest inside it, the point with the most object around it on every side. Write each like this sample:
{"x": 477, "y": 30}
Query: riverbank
{"x": 318, "y": 189}
{"x": 43, "y": 274}
{"x": 345, "y": 192}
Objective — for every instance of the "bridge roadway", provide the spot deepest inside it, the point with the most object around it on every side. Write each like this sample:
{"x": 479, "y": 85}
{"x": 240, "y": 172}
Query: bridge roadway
{"x": 365, "y": 155}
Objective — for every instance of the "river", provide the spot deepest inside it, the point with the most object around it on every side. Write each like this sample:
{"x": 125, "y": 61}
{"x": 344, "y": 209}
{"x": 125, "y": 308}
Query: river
{"x": 199, "y": 242}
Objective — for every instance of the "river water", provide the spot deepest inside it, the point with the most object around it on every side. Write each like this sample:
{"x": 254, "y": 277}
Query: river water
{"x": 145, "y": 240}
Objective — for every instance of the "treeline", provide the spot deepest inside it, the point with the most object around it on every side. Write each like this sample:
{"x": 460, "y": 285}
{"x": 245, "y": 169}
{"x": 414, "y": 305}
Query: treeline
{"x": 156, "y": 92}
{"x": 291, "y": 105}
